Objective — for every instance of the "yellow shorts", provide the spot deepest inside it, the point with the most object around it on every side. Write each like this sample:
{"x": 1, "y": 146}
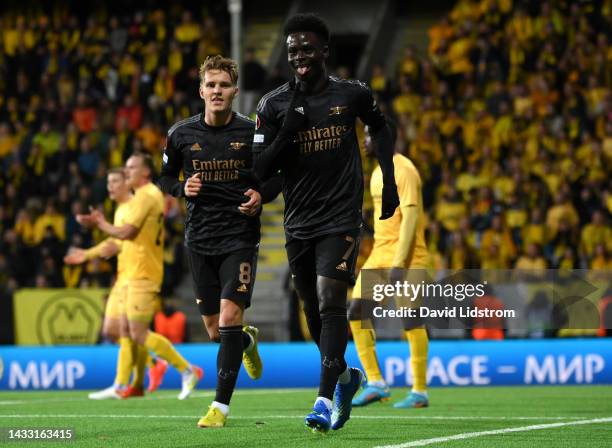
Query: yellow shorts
{"x": 142, "y": 300}
{"x": 115, "y": 305}
{"x": 378, "y": 264}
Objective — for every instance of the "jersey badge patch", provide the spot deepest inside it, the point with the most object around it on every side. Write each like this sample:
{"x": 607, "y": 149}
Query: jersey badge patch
{"x": 237, "y": 145}
{"x": 337, "y": 110}
{"x": 196, "y": 147}
{"x": 242, "y": 288}
{"x": 342, "y": 266}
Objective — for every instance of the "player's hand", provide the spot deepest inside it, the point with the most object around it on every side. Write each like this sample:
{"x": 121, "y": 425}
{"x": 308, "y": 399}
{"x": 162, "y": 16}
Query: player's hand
{"x": 193, "y": 185}
{"x": 86, "y": 220}
{"x": 390, "y": 201}
{"x": 75, "y": 255}
{"x": 296, "y": 117}
{"x": 252, "y": 206}
{"x": 96, "y": 216}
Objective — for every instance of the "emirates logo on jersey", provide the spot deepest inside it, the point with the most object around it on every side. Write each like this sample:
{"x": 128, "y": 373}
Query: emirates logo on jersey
{"x": 337, "y": 110}
{"x": 237, "y": 145}
{"x": 196, "y": 147}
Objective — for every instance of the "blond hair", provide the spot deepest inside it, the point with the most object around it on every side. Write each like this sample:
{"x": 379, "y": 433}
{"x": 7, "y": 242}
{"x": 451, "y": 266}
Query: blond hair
{"x": 218, "y": 62}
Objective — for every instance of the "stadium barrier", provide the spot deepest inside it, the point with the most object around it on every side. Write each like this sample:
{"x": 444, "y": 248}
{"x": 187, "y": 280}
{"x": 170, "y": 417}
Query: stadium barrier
{"x": 58, "y": 316}
{"x": 451, "y": 363}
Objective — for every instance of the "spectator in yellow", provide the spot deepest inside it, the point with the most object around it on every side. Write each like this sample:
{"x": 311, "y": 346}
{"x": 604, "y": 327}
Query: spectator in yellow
{"x": 409, "y": 65}
{"x": 562, "y": 209}
{"x": 50, "y": 218}
{"x": 8, "y": 141}
{"x": 459, "y": 53}
{"x": 595, "y": 233}
{"x": 24, "y": 227}
{"x": 406, "y": 102}
{"x": 471, "y": 179}
{"x": 451, "y": 210}
{"x": 531, "y": 259}
{"x": 520, "y": 26}
{"x": 459, "y": 254}
{"x": 601, "y": 260}
{"x": 188, "y": 31}
{"x": 500, "y": 236}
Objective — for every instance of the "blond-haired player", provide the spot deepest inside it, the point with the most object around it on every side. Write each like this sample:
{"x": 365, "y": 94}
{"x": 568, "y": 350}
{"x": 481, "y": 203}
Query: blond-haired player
{"x": 142, "y": 236}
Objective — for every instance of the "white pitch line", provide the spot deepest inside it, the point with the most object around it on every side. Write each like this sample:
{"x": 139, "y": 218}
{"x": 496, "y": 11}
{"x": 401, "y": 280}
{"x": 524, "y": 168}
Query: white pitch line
{"x": 164, "y": 396}
{"x": 471, "y": 435}
{"x": 260, "y": 417}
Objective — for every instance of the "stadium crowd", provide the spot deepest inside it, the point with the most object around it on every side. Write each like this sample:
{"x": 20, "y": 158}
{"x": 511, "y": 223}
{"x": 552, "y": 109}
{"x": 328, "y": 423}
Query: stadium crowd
{"x": 508, "y": 118}
{"x": 78, "y": 95}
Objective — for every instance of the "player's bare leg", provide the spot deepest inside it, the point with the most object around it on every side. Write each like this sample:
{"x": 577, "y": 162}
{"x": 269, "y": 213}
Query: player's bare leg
{"x": 164, "y": 349}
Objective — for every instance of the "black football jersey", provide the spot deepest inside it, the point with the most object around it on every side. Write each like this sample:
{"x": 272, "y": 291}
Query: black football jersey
{"x": 223, "y": 157}
{"x": 323, "y": 179}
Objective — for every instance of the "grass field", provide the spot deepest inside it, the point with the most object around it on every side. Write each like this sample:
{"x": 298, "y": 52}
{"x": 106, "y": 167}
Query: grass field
{"x": 553, "y": 416}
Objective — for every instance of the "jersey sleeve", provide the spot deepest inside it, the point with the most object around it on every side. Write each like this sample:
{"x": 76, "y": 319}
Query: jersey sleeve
{"x": 266, "y": 127}
{"x": 138, "y": 208}
{"x": 367, "y": 107}
{"x": 172, "y": 162}
{"x": 407, "y": 186}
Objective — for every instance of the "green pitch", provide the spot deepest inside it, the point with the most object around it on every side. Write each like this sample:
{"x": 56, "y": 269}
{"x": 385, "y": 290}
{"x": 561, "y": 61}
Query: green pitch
{"x": 563, "y": 416}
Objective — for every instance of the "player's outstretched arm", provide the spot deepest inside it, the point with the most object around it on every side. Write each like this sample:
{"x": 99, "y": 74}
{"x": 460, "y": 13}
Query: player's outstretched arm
{"x": 383, "y": 147}
{"x": 104, "y": 249}
{"x": 124, "y": 232}
{"x": 171, "y": 167}
{"x": 407, "y": 231}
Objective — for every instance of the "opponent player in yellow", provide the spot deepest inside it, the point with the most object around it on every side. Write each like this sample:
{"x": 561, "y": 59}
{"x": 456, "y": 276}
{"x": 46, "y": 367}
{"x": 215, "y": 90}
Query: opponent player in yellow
{"x": 399, "y": 243}
{"x": 113, "y": 328}
{"x": 142, "y": 239}
{"x": 119, "y": 192}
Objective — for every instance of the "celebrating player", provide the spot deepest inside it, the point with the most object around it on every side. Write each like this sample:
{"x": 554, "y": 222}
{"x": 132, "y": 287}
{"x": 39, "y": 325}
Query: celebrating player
{"x": 306, "y": 129}
{"x": 399, "y": 243}
{"x": 141, "y": 232}
{"x": 222, "y": 227}
{"x": 119, "y": 192}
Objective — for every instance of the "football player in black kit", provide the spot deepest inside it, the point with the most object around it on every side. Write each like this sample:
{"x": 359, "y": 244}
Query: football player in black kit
{"x": 306, "y": 129}
{"x": 222, "y": 227}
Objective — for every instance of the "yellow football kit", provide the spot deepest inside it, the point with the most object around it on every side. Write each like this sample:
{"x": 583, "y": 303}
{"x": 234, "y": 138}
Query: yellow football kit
{"x": 116, "y": 298}
{"x": 387, "y": 253}
{"x": 143, "y": 255}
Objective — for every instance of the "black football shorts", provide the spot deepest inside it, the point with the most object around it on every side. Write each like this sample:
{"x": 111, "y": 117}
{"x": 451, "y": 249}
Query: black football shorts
{"x": 226, "y": 276}
{"x": 332, "y": 256}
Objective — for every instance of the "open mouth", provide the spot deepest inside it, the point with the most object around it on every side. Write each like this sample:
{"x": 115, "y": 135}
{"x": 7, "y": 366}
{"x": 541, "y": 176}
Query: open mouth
{"x": 302, "y": 69}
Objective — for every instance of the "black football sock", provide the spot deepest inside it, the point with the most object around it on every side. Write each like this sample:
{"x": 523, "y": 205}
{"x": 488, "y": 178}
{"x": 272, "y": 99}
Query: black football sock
{"x": 229, "y": 359}
{"x": 334, "y": 338}
{"x": 313, "y": 320}
{"x": 246, "y": 340}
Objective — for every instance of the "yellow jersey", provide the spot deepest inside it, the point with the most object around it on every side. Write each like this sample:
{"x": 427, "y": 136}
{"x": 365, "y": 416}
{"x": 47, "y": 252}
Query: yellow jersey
{"x": 142, "y": 257}
{"x": 386, "y": 232}
{"x": 118, "y": 221}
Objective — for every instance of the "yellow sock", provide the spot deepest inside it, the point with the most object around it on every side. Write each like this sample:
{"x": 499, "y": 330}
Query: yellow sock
{"x": 124, "y": 361}
{"x": 163, "y": 348}
{"x": 365, "y": 343}
{"x": 419, "y": 344}
{"x": 139, "y": 366}
{"x": 149, "y": 361}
